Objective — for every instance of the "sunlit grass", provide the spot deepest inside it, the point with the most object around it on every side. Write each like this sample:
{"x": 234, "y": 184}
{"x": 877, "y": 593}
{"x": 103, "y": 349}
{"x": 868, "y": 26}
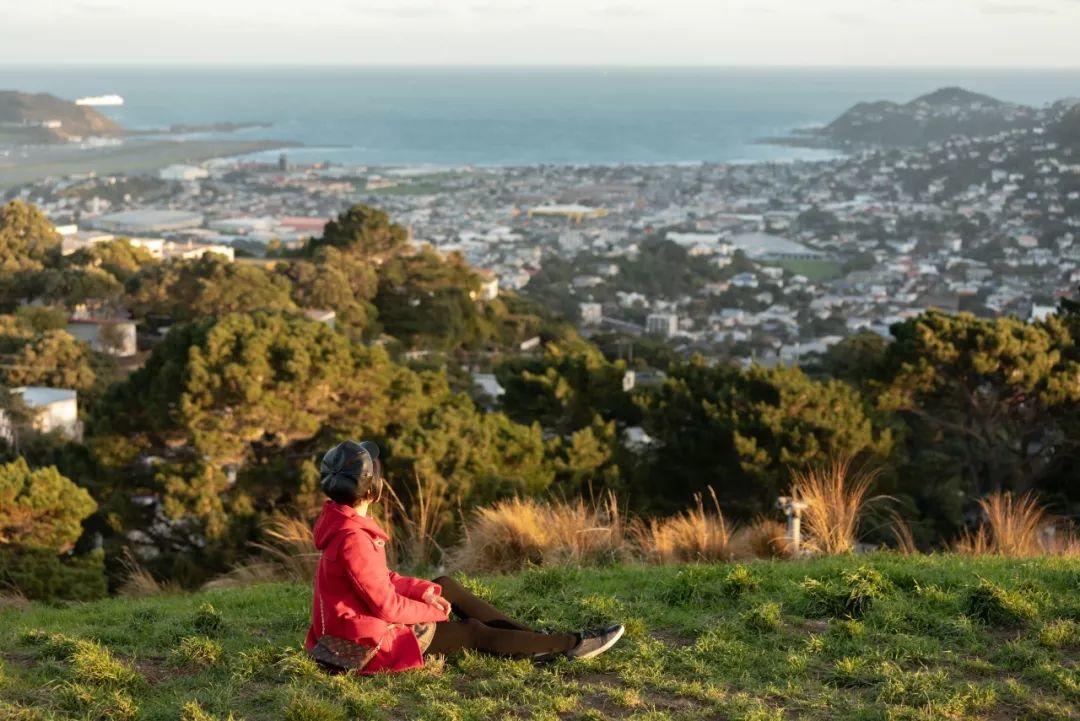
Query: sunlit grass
{"x": 845, "y": 637}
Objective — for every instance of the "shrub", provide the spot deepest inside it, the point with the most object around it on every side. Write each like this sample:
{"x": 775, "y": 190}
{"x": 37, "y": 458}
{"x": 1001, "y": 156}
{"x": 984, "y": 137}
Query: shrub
{"x": 304, "y": 707}
{"x": 836, "y": 500}
{"x": 847, "y": 628}
{"x": 1060, "y": 633}
{"x": 692, "y": 584}
{"x": 992, "y": 604}
{"x": 852, "y": 671}
{"x": 763, "y": 618}
{"x": 199, "y": 651}
{"x": 849, "y": 596}
{"x": 208, "y": 620}
{"x": 598, "y": 610}
{"x": 96, "y": 703}
{"x": 695, "y": 535}
{"x": 192, "y": 711}
{"x": 53, "y": 645}
{"x": 548, "y": 580}
{"x": 38, "y": 573}
{"x": 739, "y": 581}
{"x": 93, "y": 663}
{"x": 40, "y": 508}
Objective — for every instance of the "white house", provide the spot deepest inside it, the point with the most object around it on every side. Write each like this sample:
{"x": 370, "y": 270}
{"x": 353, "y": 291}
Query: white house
{"x": 183, "y": 173}
{"x": 662, "y": 324}
{"x": 112, "y": 336}
{"x": 591, "y": 313}
{"x": 52, "y": 409}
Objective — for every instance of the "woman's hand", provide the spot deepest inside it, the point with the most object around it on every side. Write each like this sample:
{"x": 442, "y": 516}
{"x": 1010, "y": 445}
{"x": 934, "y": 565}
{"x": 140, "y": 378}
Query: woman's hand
{"x": 436, "y": 600}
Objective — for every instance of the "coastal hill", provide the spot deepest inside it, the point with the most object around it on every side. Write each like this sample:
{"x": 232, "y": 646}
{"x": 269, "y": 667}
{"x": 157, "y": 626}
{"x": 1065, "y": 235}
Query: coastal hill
{"x": 1068, "y": 130}
{"x": 929, "y": 118}
{"x": 926, "y": 119}
{"x": 44, "y": 118}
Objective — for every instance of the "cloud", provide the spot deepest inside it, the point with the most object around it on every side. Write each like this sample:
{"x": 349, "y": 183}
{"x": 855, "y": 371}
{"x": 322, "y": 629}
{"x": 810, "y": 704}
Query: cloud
{"x": 502, "y": 9}
{"x": 403, "y": 9}
{"x": 1005, "y": 8}
{"x": 849, "y": 18}
{"x": 621, "y": 10}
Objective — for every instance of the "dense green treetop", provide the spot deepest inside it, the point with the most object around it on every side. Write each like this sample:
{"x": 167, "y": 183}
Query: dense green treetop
{"x": 361, "y": 229}
{"x": 997, "y": 390}
{"x": 27, "y": 237}
{"x": 566, "y": 387}
{"x": 207, "y": 287}
{"x": 740, "y": 431}
{"x": 54, "y": 359}
{"x": 40, "y": 508}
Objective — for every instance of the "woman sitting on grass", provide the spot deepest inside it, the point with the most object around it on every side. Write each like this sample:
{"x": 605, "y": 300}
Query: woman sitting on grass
{"x": 367, "y": 618}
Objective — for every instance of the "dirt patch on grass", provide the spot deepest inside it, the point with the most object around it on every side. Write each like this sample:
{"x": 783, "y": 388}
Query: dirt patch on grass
{"x": 813, "y": 625}
{"x": 672, "y": 639}
{"x": 20, "y": 658}
{"x": 159, "y": 670}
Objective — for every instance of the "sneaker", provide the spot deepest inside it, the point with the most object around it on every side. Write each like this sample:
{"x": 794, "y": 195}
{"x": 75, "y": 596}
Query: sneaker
{"x": 593, "y": 643}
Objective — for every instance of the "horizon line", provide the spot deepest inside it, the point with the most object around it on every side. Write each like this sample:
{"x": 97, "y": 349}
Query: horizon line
{"x": 520, "y": 66}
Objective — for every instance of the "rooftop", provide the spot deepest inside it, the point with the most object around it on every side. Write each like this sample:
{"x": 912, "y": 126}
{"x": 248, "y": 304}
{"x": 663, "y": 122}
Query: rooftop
{"x": 35, "y": 396}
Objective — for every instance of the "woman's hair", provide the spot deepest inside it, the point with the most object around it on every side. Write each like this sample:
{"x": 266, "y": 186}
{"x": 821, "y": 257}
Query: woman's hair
{"x": 351, "y": 471}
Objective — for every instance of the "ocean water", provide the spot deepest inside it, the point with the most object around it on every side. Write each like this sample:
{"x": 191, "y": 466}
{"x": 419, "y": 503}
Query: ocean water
{"x": 519, "y": 116}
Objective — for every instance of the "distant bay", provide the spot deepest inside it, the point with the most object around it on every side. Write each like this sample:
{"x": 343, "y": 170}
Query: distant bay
{"x": 517, "y": 116}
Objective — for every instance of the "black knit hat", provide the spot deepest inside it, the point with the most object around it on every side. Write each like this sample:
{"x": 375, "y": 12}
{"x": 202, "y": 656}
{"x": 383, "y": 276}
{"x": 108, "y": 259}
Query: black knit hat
{"x": 351, "y": 470}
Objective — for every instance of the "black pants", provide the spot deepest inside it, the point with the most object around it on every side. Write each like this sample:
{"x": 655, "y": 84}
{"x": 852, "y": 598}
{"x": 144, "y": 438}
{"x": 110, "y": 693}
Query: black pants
{"x": 483, "y": 627}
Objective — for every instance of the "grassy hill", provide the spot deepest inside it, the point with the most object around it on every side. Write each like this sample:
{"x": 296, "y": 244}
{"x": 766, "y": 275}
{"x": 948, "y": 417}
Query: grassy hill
{"x": 871, "y": 637}
{"x": 929, "y": 118}
{"x": 17, "y": 108}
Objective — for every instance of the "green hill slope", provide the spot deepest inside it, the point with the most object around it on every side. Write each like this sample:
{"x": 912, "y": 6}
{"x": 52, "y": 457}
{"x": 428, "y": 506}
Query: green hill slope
{"x": 872, "y": 637}
{"x": 22, "y": 116}
{"x": 929, "y": 118}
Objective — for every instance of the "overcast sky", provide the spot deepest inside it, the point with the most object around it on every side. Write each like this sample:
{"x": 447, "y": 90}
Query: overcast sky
{"x": 1012, "y": 33}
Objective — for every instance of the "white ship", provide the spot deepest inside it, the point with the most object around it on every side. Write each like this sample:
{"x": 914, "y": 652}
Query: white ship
{"x": 100, "y": 100}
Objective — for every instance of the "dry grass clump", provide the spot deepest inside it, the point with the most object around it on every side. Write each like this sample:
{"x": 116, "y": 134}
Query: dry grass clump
{"x": 288, "y": 554}
{"x": 837, "y": 498}
{"x": 140, "y": 583}
{"x": 694, "y": 535}
{"x": 901, "y": 531}
{"x": 514, "y": 533}
{"x": 1064, "y": 542}
{"x": 767, "y": 538}
{"x": 419, "y": 522}
{"x": 1016, "y": 527}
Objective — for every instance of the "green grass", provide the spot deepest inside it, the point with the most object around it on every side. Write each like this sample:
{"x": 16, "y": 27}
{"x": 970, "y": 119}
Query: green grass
{"x": 814, "y": 270}
{"x": 869, "y": 637}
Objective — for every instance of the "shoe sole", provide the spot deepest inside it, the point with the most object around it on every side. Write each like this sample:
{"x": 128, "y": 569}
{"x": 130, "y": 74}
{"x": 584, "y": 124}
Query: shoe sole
{"x": 596, "y": 652}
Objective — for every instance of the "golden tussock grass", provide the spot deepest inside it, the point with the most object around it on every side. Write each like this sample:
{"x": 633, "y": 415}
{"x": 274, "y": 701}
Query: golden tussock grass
{"x": 1017, "y": 527}
{"x": 416, "y": 525}
{"x": 836, "y": 499}
{"x": 139, "y": 582}
{"x": 517, "y": 532}
{"x": 287, "y": 554}
{"x": 902, "y": 533}
{"x": 767, "y": 538}
{"x": 694, "y": 535}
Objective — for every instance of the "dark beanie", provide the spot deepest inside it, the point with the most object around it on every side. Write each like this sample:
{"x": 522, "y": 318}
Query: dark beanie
{"x": 348, "y": 471}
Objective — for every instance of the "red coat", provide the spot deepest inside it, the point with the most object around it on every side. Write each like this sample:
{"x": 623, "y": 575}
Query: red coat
{"x": 364, "y": 601}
